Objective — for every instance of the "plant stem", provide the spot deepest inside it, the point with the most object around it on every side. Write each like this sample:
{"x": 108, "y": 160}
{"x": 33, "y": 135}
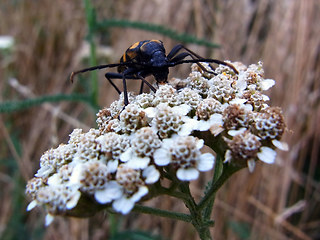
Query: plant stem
{"x": 228, "y": 170}
{"x": 218, "y": 169}
{"x": 200, "y": 224}
{"x": 91, "y": 21}
{"x": 162, "y": 213}
{"x": 12, "y": 106}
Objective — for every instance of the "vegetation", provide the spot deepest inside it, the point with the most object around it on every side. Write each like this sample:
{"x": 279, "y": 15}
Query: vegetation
{"x": 274, "y": 202}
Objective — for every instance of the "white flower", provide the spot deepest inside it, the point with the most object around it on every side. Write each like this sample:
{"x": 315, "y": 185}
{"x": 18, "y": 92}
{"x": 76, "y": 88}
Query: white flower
{"x": 189, "y": 125}
{"x": 124, "y": 204}
{"x": 32, "y": 205}
{"x": 73, "y": 201}
{"x": 267, "y": 155}
{"x": 216, "y": 124}
{"x": 112, "y": 190}
{"x": 236, "y": 132}
{"x": 251, "y": 164}
{"x": 205, "y": 162}
{"x": 49, "y": 219}
{"x": 266, "y": 84}
{"x": 134, "y": 161}
{"x": 133, "y": 187}
{"x": 187, "y": 174}
{"x": 241, "y": 84}
{"x": 162, "y": 157}
{"x": 184, "y": 153}
{"x": 239, "y": 101}
{"x": 151, "y": 174}
{"x": 45, "y": 171}
{"x": 6, "y": 42}
{"x": 280, "y": 145}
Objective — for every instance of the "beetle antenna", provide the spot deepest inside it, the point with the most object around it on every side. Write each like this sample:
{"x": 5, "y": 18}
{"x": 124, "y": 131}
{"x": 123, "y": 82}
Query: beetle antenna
{"x": 208, "y": 60}
{"x": 94, "y": 68}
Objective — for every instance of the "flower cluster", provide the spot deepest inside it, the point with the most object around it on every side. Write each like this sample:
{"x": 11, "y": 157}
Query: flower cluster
{"x": 162, "y": 134}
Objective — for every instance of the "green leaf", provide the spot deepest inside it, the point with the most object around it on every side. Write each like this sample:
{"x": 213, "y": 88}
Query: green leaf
{"x": 241, "y": 229}
{"x": 12, "y": 106}
{"x": 181, "y": 37}
{"x": 135, "y": 235}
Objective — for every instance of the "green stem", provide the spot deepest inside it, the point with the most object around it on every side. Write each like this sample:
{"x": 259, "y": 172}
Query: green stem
{"x": 201, "y": 225}
{"x": 218, "y": 169}
{"x": 157, "y": 189}
{"x": 91, "y": 21}
{"x": 159, "y": 29}
{"x": 228, "y": 170}
{"x": 162, "y": 213}
{"x": 12, "y": 106}
{"x": 113, "y": 224}
{"x": 171, "y": 193}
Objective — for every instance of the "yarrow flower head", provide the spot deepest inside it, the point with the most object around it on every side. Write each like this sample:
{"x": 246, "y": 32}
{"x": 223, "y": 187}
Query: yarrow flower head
{"x": 183, "y": 153}
{"x": 161, "y": 136}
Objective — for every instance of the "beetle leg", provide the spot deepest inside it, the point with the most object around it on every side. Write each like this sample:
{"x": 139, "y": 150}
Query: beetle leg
{"x": 128, "y": 75}
{"x": 111, "y": 75}
{"x": 174, "y": 51}
{"x": 183, "y": 55}
{"x": 173, "y": 57}
{"x": 125, "y": 91}
{"x": 180, "y": 57}
{"x": 141, "y": 87}
{"x": 177, "y": 48}
{"x": 139, "y": 75}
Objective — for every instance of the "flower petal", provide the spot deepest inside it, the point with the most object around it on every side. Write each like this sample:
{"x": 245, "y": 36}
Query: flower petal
{"x": 205, "y": 162}
{"x": 45, "y": 171}
{"x": 150, "y": 112}
{"x": 32, "y": 205}
{"x": 251, "y": 164}
{"x": 112, "y": 191}
{"x": 200, "y": 143}
{"x": 236, "y": 132}
{"x": 187, "y": 174}
{"x": 189, "y": 125}
{"x": 127, "y": 155}
{"x": 281, "y": 145}
{"x": 143, "y": 190}
{"x": 151, "y": 174}
{"x": 267, "y": 83}
{"x": 74, "y": 200}
{"x": 162, "y": 157}
{"x": 203, "y": 125}
{"x": 241, "y": 84}
{"x": 238, "y": 101}
{"x": 49, "y": 219}
{"x": 182, "y": 109}
{"x": 112, "y": 165}
{"x": 6, "y": 42}
{"x": 267, "y": 155}
{"x": 228, "y": 156}
{"x": 123, "y": 205}
{"x": 138, "y": 162}
{"x": 54, "y": 180}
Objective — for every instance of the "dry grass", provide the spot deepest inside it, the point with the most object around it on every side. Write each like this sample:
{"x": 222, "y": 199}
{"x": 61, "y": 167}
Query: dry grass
{"x": 276, "y": 202}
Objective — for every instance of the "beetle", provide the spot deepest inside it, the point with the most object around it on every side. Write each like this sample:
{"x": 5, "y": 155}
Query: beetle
{"x": 148, "y": 57}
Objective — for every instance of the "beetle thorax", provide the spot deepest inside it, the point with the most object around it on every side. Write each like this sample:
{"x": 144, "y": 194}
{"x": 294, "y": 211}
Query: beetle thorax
{"x": 158, "y": 59}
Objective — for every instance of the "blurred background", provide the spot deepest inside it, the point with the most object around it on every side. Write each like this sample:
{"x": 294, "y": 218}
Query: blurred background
{"x": 40, "y": 107}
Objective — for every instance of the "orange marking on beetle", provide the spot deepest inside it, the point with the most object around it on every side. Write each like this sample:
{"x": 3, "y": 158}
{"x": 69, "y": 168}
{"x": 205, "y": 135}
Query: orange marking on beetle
{"x": 134, "y": 45}
{"x": 124, "y": 59}
{"x": 157, "y": 41}
{"x": 131, "y": 55}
